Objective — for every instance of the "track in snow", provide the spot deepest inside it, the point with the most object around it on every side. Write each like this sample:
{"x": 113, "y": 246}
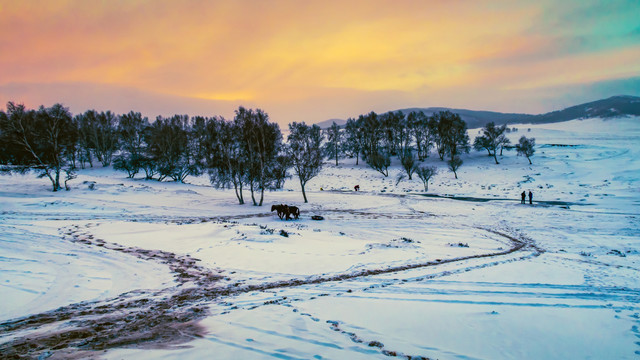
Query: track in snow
{"x": 169, "y": 316}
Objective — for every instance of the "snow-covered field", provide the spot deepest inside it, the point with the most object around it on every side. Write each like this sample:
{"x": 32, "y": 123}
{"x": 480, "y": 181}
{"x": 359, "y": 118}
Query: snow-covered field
{"x": 143, "y": 269}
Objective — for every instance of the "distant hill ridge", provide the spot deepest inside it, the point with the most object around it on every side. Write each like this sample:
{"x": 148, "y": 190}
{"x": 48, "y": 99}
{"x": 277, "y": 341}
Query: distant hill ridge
{"x": 615, "y": 106}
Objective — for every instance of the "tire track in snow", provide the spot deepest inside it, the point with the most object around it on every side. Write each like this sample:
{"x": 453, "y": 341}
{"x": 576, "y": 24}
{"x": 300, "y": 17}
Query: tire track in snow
{"x": 169, "y": 316}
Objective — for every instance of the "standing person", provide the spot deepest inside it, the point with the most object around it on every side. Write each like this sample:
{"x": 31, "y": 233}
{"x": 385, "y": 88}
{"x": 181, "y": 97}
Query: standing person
{"x": 524, "y": 196}
{"x": 530, "y": 197}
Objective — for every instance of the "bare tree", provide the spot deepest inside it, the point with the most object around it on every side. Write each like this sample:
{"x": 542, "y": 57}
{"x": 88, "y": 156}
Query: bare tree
{"x": 418, "y": 124}
{"x": 354, "y": 138}
{"x": 454, "y": 165}
{"x": 372, "y": 134}
{"x": 261, "y": 142}
{"x": 395, "y": 132}
{"x": 98, "y": 134}
{"x": 44, "y": 139}
{"x": 425, "y": 173}
{"x": 380, "y": 161}
{"x": 105, "y": 137}
{"x": 334, "y": 145}
{"x": 492, "y": 138}
{"x": 169, "y": 148}
{"x": 131, "y": 128}
{"x": 451, "y": 130}
{"x": 408, "y": 162}
{"x": 526, "y": 147}
{"x": 304, "y": 149}
{"x": 85, "y": 146}
{"x": 279, "y": 171}
{"x": 226, "y": 162}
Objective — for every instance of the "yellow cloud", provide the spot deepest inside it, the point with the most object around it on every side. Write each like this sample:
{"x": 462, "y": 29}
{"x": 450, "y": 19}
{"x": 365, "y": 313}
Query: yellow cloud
{"x": 229, "y": 96}
{"x": 291, "y": 51}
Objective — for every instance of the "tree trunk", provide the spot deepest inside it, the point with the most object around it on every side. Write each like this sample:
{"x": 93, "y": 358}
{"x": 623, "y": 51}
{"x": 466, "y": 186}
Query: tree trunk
{"x": 53, "y": 181}
{"x": 530, "y": 163}
{"x": 261, "y": 195}
{"x": 304, "y": 194}
{"x": 57, "y": 184}
{"x": 238, "y": 193}
{"x": 253, "y": 198}
{"x": 495, "y": 158}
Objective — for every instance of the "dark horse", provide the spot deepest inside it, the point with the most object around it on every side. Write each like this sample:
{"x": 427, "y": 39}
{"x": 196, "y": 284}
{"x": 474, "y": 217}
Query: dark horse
{"x": 285, "y": 211}
{"x": 281, "y": 209}
{"x": 293, "y": 210}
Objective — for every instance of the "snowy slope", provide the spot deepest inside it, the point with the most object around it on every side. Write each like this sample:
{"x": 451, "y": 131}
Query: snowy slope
{"x": 469, "y": 275}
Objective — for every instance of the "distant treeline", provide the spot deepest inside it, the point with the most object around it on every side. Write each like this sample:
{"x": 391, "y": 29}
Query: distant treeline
{"x": 411, "y": 137}
{"x": 247, "y": 152}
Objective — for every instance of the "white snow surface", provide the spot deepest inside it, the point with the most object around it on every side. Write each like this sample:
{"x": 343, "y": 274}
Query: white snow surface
{"x": 573, "y": 294}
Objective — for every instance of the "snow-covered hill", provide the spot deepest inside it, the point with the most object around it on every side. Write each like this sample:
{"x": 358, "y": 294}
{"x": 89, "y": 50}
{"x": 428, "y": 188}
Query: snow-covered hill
{"x": 613, "y": 107}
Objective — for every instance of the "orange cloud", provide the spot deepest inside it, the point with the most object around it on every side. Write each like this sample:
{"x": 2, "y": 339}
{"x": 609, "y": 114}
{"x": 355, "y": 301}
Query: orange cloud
{"x": 288, "y": 53}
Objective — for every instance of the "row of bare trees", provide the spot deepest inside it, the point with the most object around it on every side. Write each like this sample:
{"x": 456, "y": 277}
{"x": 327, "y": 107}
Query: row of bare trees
{"x": 411, "y": 138}
{"x": 247, "y": 152}
{"x": 244, "y": 153}
{"x": 494, "y": 137}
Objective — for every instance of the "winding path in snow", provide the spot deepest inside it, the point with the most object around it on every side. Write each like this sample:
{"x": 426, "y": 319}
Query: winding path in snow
{"x": 169, "y": 316}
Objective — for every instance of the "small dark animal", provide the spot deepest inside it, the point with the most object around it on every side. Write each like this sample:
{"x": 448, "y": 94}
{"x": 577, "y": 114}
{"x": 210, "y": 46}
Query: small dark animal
{"x": 281, "y": 209}
{"x": 293, "y": 210}
{"x": 356, "y": 188}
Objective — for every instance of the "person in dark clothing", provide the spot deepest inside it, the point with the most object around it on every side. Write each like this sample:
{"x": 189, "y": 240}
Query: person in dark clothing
{"x": 530, "y": 197}
{"x": 524, "y": 196}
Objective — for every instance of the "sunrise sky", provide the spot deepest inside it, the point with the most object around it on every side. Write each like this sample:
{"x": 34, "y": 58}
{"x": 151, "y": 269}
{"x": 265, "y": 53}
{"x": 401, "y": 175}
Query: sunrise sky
{"x": 314, "y": 60}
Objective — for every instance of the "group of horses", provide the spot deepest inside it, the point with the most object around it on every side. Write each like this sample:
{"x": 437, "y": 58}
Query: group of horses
{"x": 286, "y": 211}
